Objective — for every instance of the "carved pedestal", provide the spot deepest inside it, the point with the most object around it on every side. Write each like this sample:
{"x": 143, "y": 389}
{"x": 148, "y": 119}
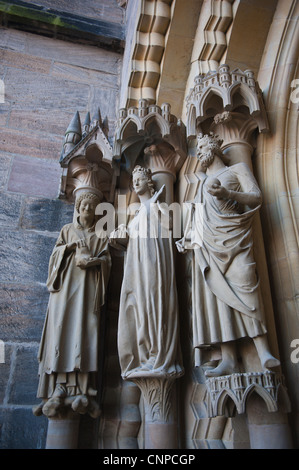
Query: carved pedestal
{"x": 63, "y": 432}
{"x": 160, "y": 422}
{"x": 264, "y": 399}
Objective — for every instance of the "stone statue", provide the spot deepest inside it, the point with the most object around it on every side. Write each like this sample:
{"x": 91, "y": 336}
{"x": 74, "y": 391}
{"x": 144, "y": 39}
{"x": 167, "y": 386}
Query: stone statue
{"x": 79, "y": 269}
{"x": 227, "y": 304}
{"x": 148, "y": 331}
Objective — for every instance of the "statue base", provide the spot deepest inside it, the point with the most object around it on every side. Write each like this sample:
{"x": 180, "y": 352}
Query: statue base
{"x": 230, "y": 392}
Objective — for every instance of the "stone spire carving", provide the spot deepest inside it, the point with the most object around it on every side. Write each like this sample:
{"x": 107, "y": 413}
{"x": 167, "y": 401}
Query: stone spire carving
{"x": 73, "y": 134}
{"x": 86, "y": 125}
{"x": 86, "y": 160}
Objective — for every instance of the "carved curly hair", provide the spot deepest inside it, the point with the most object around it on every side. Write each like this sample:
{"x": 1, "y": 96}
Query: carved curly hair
{"x": 213, "y": 141}
{"x": 93, "y": 197}
{"x": 148, "y": 174}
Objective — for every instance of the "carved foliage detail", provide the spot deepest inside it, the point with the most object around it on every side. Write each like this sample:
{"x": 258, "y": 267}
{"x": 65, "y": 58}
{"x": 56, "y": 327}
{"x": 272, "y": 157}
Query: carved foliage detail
{"x": 157, "y": 395}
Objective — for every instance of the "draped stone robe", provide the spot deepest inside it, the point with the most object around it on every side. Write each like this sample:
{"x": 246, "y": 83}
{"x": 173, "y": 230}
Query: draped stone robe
{"x": 226, "y": 298}
{"x": 148, "y": 331}
{"x": 70, "y": 337}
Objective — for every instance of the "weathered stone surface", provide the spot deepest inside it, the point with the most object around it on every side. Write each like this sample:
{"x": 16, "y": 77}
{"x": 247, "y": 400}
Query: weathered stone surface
{"x": 89, "y": 57}
{"x": 4, "y": 372}
{"x": 18, "y": 142}
{"x": 20, "y": 429}
{"x": 27, "y": 90}
{"x": 106, "y": 9}
{"x": 23, "y": 308}
{"x": 34, "y": 177}
{"x": 4, "y": 110}
{"x": 24, "y": 256}
{"x": 12, "y": 39}
{"x": 24, "y": 61}
{"x": 62, "y": 24}
{"x": 85, "y": 75}
{"x": 5, "y": 163}
{"x": 25, "y": 376}
{"x": 10, "y": 209}
{"x": 46, "y": 214}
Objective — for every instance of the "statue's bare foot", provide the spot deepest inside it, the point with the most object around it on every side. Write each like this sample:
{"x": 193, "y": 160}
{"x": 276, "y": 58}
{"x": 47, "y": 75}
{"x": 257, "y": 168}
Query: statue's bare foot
{"x": 80, "y": 404}
{"x": 224, "y": 368}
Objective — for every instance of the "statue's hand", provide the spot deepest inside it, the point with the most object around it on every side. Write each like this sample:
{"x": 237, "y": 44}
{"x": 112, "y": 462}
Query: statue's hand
{"x": 83, "y": 263}
{"x": 218, "y": 191}
{"x": 159, "y": 193}
{"x": 180, "y": 244}
{"x": 71, "y": 247}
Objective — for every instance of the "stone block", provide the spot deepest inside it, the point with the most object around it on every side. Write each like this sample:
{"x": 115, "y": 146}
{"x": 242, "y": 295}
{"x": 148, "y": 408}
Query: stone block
{"x": 5, "y": 370}
{"x": 24, "y": 256}
{"x": 12, "y": 39}
{"x": 20, "y": 429}
{"x": 4, "y": 109}
{"x": 33, "y": 91}
{"x": 46, "y": 214}
{"x": 13, "y": 141}
{"x": 85, "y": 75}
{"x": 34, "y": 177}
{"x": 74, "y": 54}
{"x": 10, "y": 209}
{"x": 25, "y": 377}
{"x": 24, "y": 61}
{"x": 105, "y": 9}
{"x": 5, "y": 164}
{"x": 23, "y": 308}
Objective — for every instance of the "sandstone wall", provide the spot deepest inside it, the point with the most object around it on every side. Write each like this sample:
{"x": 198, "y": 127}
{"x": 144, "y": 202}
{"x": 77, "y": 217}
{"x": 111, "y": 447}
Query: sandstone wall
{"x": 46, "y": 81}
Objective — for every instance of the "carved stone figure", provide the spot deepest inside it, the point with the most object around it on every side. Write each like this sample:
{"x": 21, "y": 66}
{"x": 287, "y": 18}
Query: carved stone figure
{"x": 148, "y": 332}
{"x": 79, "y": 269}
{"x": 227, "y": 304}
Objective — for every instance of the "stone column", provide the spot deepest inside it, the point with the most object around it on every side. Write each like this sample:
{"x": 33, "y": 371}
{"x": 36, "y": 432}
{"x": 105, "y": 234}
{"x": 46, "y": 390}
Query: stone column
{"x": 267, "y": 430}
{"x": 235, "y": 129}
{"x": 160, "y": 414}
{"x": 164, "y": 163}
{"x": 63, "y": 432}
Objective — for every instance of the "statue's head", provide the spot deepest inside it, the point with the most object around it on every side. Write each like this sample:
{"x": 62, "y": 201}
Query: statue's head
{"x": 142, "y": 180}
{"x": 208, "y": 146}
{"x": 87, "y": 203}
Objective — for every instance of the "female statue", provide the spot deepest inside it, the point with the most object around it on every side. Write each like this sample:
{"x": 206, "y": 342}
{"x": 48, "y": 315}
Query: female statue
{"x": 148, "y": 332}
